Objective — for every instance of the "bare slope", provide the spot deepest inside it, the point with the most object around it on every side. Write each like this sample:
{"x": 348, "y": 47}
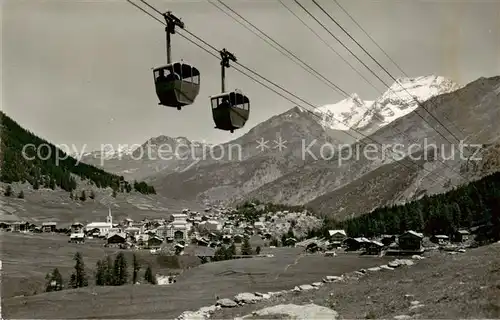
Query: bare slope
{"x": 471, "y": 109}
{"x": 463, "y": 286}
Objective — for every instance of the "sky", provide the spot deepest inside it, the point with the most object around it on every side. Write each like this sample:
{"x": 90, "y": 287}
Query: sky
{"x": 79, "y": 72}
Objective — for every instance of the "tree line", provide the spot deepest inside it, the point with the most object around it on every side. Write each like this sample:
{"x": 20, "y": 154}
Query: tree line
{"x": 475, "y": 205}
{"x": 107, "y": 273}
{"x": 51, "y": 167}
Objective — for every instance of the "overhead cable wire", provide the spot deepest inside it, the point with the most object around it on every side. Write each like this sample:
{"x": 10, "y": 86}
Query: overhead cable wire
{"x": 330, "y": 46}
{"x": 444, "y": 179}
{"x": 386, "y": 54}
{"x": 316, "y": 73}
{"x": 277, "y": 49}
{"x": 387, "y": 72}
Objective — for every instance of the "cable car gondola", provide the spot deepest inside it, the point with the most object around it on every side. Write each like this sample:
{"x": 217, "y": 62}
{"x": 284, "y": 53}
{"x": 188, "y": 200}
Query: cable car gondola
{"x": 177, "y": 84}
{"x": 230, "y": 110}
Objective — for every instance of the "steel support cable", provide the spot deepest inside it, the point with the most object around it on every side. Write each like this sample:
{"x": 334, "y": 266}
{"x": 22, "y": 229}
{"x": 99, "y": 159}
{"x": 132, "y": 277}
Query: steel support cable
{"x": 444, "y": 179}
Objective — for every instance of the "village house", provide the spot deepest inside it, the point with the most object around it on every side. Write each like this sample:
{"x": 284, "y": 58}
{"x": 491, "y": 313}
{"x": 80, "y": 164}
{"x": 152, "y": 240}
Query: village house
{"x": 354, "y": 244}
{"x": 374, "y": 247}
{"x": 336, "y": 237}
{"x": 154, "y": 242}
{"x": 141, "y": 239}
{"x": 178, "y": 228}
{"x": 238, "y": 238}
{"x": 49, "y": 226}
{"x": 290, "y": 242}
{"x": 461, "y": 235}
{"x": 116, "y": 238}
{"x": 440, "y": 239}
{"x": 410, "y": 241}
{"x": 77, "y": 238}
{"x": 77, "y": 227}
{"x": 17, "y": 226}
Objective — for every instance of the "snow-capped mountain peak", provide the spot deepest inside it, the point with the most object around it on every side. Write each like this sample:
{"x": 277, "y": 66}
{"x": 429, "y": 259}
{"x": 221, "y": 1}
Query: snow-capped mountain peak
{"x": 401, "y": 98}
{"x": 343, "y": 114}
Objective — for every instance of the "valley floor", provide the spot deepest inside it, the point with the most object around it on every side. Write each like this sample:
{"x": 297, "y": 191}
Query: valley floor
{"x": 194, "y": 288}
{"x": 447, "y": 286}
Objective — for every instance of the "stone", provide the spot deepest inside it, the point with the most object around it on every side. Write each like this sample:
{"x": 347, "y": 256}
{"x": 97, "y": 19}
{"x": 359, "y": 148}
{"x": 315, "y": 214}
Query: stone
{"x": 332, "y": 279}
{"x": 306, "y": 287}
{"x": 292, "y": 311}
{"x": 246, "y": 297}
{"x": 226, "y": 303}
{"x": 374, "y": 269}
{"x": 386, "y": 267}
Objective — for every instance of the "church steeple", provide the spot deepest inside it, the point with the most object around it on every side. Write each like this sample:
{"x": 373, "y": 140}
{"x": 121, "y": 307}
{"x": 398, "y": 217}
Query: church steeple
{"x": 109, "y": 219}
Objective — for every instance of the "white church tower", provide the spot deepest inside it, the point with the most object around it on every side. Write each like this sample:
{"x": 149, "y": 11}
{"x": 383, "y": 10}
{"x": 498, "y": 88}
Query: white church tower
{"x": 109, "y": 218}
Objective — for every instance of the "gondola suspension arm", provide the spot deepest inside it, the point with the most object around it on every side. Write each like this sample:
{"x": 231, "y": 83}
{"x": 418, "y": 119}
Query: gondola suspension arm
{"x": 172, "y": 21}
{"x": 226, "y": 56}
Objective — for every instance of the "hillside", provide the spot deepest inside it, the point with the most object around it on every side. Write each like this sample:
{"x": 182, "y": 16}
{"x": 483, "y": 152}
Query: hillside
{"x": 34, "y": 189}
{"x": 470, "y": 109}
{"x": 27, "y": 158}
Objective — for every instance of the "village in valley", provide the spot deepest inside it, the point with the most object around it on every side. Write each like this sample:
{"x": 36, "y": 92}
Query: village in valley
{"x": 202, "y": 234}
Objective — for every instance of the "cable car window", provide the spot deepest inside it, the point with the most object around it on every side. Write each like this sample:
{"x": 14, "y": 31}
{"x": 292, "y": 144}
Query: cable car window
{"x": 196, "y": 79}
{"x": 215, "y": 103}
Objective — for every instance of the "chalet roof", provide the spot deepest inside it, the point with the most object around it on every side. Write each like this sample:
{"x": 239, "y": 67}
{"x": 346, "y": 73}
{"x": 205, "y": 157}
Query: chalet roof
{"x": 412, "y": 233}
{"x": 121, "y": 235}
{"x": 332, "y": 232}
{"x": 441, "y": 236}
{"x": 377, "y": 243}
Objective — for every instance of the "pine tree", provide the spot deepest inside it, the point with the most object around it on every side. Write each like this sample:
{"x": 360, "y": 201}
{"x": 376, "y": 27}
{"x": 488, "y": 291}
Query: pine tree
{"x": 149, "y": 276}
{"x": 92, "y": 195}
{"x": 52, "y": 184}
{"x": 120, "y": 269}
{"x": 83, "y": 197}
{"x": 136, "y": 267}
{"x": 8, "y": 191}
{"x": 54, "y": 281}
{"x": 100, "y": 275}
{"x": 79, "y": 278}
{"x": 246, "y": 248}
{"x": 257, "y": 250}
{"x": 109, "y": 272}
{"x": 21, "y": 195}
{"x": 36, "y": 184}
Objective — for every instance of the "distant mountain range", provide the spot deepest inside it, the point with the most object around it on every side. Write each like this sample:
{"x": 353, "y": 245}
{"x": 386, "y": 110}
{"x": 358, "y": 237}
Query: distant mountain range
{"x": 294, "y": 176}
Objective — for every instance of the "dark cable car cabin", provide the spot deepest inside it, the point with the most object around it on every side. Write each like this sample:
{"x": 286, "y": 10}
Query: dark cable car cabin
{"x": 230, "y": 110}
{"x": 177, "y": 84}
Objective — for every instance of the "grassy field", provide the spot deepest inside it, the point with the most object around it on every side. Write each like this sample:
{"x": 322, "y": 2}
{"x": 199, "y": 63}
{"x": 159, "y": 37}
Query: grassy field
{"x": 194, "y": 288}
{"x": 27, "y": 258}
{"x": 55, "y": 205}
{"x": 449, "y": 287}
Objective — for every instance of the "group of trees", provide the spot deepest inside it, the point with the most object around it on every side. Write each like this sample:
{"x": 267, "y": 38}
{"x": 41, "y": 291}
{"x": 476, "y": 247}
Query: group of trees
{"x": 473, "y": 205}
{"x": 28, "y": 158}
{"x": 116, "y": 274}
{"x": 107, "y": 273}
{"x": 78, "y": 278}
{"x": 227, "y": 253}
{"x": 9, "y": 192}
{"x": 252, "y": 210}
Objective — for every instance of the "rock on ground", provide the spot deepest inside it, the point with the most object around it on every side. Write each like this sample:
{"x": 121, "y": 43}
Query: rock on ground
{"x": 226, "y": 303}
{"x": 292, "y": 311}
